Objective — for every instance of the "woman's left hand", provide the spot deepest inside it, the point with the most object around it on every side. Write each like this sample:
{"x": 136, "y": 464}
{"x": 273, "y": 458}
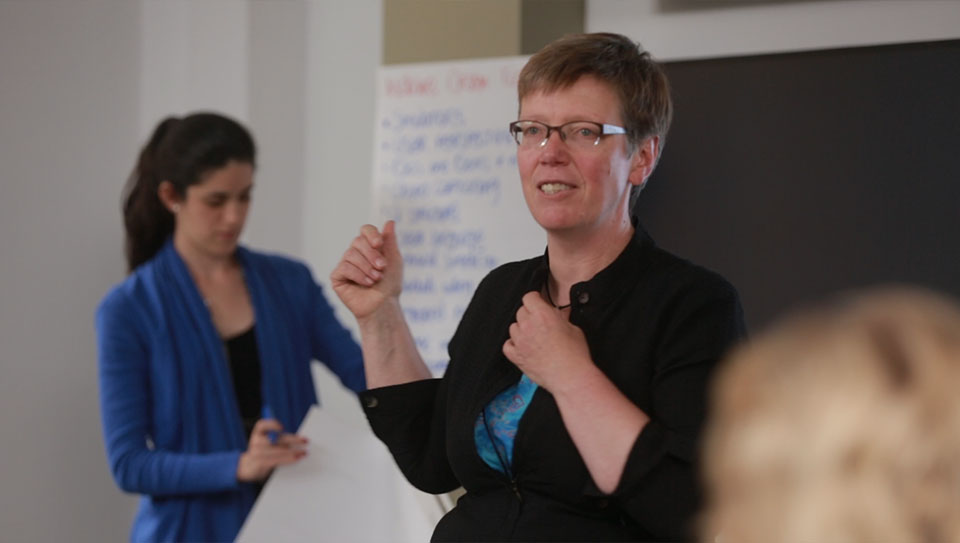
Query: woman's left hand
{"x": 265, "y": 453}
{"x": 545, "y": 345}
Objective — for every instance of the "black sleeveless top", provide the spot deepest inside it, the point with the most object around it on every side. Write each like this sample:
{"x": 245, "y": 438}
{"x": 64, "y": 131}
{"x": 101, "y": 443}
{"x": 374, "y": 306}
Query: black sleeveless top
{"x": 245, "y": 368}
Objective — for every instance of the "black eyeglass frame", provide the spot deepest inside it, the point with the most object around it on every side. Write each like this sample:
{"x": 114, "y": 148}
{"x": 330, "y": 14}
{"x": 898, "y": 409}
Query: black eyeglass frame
{"x": 603, "y": 129}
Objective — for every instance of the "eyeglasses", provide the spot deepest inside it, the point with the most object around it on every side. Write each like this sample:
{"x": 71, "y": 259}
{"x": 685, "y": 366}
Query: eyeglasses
{"x": 576, "y": 134}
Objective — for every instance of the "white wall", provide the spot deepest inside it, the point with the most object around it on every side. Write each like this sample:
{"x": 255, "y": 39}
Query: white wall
{"x": 684, "y": 30}
{"x": 343, "y": 53}
{"x": 68, "y": 132}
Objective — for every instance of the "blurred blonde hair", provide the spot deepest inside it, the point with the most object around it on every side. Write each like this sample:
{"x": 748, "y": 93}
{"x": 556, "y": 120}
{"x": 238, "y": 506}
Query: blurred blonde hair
{"x": 842, "y": 423}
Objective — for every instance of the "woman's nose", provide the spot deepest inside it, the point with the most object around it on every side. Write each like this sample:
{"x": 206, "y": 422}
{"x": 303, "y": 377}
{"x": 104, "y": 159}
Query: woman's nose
{"x": 553, "y": 148}
{"x": 235, "y": 212}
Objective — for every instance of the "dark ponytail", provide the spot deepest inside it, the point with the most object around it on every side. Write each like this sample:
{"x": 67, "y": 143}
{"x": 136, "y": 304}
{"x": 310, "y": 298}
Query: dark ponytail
{"x": 180, "y": 151}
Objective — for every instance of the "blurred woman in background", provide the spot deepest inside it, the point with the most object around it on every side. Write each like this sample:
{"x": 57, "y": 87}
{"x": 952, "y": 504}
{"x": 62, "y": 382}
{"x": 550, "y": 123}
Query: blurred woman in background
{"x": 204, "y": 337}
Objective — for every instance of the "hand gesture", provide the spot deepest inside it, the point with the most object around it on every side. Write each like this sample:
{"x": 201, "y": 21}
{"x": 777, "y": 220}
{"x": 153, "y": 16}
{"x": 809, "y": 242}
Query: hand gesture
{"x": 370, "y": 272}
{"x": 262, "y": 455}
{"x": 545, "y": 345}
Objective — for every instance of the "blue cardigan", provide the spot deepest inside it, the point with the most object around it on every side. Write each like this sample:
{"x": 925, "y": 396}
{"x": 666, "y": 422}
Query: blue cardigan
{"x": 171, "y": 421}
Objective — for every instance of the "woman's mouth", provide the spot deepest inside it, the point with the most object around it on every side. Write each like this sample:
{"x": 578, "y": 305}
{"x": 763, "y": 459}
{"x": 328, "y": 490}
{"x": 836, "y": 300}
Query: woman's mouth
{"x": 554, "y": 188}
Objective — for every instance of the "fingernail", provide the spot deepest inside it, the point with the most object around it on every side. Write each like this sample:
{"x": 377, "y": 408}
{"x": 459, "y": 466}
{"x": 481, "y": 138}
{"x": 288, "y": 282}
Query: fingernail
{"x": 380, "y": 262}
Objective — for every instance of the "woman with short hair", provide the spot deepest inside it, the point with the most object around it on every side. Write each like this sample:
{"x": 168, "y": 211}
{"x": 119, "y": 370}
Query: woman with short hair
{"x": 572, "y": 404}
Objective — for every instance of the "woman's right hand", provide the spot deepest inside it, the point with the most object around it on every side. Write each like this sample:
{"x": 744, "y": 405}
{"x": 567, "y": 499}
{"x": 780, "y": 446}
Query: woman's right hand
{"x": 262, "y": 455}
{"x": 370, "y": 272}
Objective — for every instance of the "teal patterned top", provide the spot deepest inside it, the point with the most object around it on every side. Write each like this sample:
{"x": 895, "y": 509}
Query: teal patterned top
{"x": 496, "y": 426}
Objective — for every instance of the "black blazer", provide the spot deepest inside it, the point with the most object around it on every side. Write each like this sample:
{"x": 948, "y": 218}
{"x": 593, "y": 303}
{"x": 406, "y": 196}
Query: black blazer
{"x": 655, "y": 324}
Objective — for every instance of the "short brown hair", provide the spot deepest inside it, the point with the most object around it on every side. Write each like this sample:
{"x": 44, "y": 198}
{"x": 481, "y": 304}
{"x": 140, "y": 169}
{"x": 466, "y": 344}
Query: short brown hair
{"x": 636, "y": 78}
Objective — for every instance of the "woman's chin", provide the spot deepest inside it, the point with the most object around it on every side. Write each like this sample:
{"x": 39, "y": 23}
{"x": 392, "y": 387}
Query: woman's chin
{"x": 223, "y": 248}
{"x": 557, "y": 226}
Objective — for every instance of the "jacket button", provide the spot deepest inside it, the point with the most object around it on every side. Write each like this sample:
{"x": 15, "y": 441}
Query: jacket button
{"x": 584, "y": 297}
{"x": 371, "y": 401}
{"x": 602, "y": 504}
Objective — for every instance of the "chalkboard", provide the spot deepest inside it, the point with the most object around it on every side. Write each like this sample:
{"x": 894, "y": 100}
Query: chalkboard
{"x": 793, "y": 175}
{"x": 445, "y": 170}
{"x": 799, "y": 175}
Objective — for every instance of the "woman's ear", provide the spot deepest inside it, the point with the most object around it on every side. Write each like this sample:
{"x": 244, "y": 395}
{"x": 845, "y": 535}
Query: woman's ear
{"x": 644, "y": 159}
{"x": 169, "y": 197}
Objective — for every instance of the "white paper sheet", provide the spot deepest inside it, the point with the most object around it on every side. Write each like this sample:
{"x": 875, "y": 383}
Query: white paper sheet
{"x": 346, "y": 489}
